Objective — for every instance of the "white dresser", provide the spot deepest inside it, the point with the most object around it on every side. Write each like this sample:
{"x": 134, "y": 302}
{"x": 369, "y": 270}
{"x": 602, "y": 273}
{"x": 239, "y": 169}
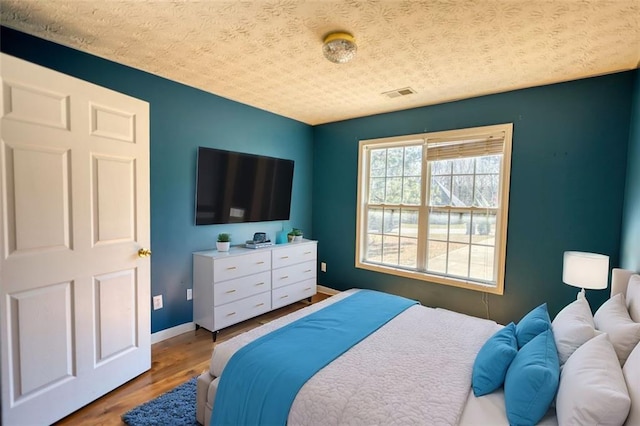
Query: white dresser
{"x": 230, "y": 287}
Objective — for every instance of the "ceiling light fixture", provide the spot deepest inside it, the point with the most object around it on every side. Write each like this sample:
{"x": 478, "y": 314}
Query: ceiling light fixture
{"x": 339, "y": 47}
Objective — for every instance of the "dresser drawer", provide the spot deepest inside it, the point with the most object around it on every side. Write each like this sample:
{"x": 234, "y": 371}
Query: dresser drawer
{"x": 292, "y": 293}
{"x": 294, "y": 273}
{"x": 239, "y": 266}
{"x": 239, "y": 288}
{"x": 235, "y": 312}
{"x": 294, "y": 253}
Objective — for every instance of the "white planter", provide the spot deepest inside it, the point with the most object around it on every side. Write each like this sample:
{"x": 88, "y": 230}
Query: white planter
{"x": 223, "y": 246}
{"x": 297, "y": 238}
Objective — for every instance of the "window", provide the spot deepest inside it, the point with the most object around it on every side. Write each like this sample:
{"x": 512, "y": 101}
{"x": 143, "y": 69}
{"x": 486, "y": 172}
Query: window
{"x": 434, "y": 206}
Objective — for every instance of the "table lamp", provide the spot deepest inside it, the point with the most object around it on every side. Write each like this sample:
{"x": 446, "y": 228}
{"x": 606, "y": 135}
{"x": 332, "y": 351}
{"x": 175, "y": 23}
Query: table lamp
{"x": 585, "y": 270}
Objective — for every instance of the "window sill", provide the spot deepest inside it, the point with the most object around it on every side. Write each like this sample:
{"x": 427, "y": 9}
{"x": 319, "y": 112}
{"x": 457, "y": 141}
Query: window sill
{"x": 436, "y": 279}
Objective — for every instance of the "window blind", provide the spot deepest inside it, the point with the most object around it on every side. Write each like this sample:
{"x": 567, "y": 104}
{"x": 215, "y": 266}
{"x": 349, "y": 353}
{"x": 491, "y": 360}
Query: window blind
{"x": 448, "y": 149}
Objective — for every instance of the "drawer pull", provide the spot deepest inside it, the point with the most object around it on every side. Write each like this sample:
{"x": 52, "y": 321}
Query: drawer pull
{"x": 231, "y": 314}
{"x": 230, "y": 268}
{"x": 284, "y": 257}
{"x": 307, "y": 252}
{"x": 284, "y": 277}
{"x": 230, "y": 291}
{"x": 262, "y": 283}
{"x": 260, "y": 263}
{"x": 284, "y": 297}
{"x": 259, "y": 304}
{"x": 308, "y": 288}
{"x": 308, "y": 270}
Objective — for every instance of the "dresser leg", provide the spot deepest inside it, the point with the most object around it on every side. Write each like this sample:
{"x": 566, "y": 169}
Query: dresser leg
{"x": 214, "y": 335}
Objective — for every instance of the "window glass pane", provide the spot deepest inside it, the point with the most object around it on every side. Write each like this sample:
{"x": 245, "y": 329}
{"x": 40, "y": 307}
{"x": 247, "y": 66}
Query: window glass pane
{"x": 484, "y": 228}
{"x": 390, "y": 250}
{"x": 487, "y": 188}
{"x": 458, "y": 260}
{"x": 374, "y": 248}
{"x": 441, "y": 167}
{"x": 488, "y": 164}
{"x": 378, "y": 162}
{"x": 394, "y": 191}
{"x": 376, "y": 190}
{"x": 462, "y": 191}
{"x": 374, "y": 221}
{"x": 409, "y": 223}
{"x": 391, "y": 222}
{"x": 394, "y": 161}
{"x": 459, "y": 227}
{"x": 482, "y": 263}
{"x": 438, "y": 226}
{"x": 440, "y": 191}
{"x": 463, "y": 166}
{"x": 413, "y": 161}
{"x": 437, "y": 256}
{"x": 408, "y": 252}
{"x": 411, "y": 191}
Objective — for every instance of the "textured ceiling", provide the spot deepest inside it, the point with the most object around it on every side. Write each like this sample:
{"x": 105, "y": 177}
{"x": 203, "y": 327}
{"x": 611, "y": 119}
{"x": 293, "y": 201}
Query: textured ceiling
{"x": 268, "y": 53}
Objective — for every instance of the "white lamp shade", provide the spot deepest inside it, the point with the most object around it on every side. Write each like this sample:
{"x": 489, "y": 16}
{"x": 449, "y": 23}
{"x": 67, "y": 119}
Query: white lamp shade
{"x": 585, "y": 270}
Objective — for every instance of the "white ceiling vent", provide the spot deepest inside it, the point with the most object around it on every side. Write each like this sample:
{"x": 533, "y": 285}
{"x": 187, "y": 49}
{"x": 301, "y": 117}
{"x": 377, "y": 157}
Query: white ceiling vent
{"x": 399, "y": 92}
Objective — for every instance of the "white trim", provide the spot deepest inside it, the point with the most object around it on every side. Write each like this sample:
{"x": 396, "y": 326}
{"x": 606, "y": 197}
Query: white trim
{"x": 168, "y": 333}
{"x": 326, "y": 290}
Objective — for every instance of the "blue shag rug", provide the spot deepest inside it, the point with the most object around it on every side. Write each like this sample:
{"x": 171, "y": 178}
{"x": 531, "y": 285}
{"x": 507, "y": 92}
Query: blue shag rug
{"x": 176, "y": 407}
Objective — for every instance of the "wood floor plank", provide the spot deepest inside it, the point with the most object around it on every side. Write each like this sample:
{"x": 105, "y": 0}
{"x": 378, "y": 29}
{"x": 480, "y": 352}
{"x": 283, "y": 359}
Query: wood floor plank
{"x": 173, "y": 361}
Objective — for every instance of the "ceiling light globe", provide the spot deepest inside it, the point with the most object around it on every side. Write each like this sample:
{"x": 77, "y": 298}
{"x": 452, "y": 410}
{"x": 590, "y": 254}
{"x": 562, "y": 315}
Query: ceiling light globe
{"x": 339, "y": 48}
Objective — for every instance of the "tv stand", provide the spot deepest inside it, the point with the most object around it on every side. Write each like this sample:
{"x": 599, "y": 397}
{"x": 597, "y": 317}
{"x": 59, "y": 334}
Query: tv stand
{"x": 231, "y": 287}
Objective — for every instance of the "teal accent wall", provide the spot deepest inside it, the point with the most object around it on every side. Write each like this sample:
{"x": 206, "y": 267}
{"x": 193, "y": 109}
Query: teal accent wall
{"x": 630, "y": 250}
{"x": 567, "y": 188}
{"x": 183, "y": 118}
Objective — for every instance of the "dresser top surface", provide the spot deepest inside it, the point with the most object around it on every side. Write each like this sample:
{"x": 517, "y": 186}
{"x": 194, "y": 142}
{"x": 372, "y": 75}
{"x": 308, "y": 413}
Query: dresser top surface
{"x": 241, "y": 250}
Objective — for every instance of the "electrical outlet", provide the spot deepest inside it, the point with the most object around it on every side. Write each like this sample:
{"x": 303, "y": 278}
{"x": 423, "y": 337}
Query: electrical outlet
{"x": 157, "y": 302}
{"x": 189, "y": 294}
{"x": 323, "y": 266}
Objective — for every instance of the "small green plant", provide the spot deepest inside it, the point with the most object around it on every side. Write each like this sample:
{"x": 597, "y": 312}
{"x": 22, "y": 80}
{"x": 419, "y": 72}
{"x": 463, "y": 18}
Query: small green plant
{"x": 296, "y": 232}
{"x": 224, "y": 238}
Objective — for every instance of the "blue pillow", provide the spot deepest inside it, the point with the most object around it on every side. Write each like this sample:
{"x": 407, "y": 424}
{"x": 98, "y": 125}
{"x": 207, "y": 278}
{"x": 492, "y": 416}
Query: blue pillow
{"x": 493, "y": 360}
{"x": 532, "y": 380}
{"x": 532, "y": 324}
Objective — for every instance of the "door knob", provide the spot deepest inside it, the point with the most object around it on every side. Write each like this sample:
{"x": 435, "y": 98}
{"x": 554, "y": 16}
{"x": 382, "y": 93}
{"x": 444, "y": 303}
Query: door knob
{"x": 144, "y": 252}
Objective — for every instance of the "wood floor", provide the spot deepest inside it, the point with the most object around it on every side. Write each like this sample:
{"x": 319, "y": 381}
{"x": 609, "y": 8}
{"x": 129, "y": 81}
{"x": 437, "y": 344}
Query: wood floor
{"x": 173, "y": 361}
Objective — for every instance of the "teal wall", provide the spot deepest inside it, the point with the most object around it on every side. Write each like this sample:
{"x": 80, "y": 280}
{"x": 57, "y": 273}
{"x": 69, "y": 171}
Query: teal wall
{"x": 630, "y": 251}
{"x": 183, "y": 118}
{"x": 567, "y": 187}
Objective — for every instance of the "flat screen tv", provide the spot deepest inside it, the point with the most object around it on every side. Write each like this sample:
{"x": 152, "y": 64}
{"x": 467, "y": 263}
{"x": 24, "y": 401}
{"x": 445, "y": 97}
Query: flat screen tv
{"x": 233, "y": 187}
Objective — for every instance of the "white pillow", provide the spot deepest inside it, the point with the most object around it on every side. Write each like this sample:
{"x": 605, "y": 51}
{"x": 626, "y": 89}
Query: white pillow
{"x": 633, "y": 297}
{"x": 572, "y": 327}
{"x": 631, "y": 373}
{"x": 613, "y": 318}
{"x": 592, "y": 388}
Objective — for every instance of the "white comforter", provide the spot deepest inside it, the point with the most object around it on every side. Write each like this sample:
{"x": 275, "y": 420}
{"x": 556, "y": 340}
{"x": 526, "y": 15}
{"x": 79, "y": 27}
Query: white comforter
{"x": 414, "y": 370}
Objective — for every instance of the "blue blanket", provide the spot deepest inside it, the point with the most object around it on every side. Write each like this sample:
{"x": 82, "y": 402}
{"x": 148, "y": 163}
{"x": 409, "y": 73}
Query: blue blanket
{"x": 261, "y": 380}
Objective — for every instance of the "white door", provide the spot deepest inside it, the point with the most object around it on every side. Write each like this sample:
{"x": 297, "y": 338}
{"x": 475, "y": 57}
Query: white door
{"x": 74, "y": 211}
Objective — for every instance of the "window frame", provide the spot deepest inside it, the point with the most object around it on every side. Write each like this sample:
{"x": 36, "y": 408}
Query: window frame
{"x": 423, "y": 208}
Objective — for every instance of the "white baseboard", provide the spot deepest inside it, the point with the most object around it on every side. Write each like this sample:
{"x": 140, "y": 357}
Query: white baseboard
{"x": 327, "y": 290}
{"x": 168, "y": 333}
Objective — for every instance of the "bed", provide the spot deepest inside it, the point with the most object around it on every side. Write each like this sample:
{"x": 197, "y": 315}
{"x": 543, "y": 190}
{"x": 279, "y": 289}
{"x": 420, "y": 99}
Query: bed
{"x": 405, "y": 374}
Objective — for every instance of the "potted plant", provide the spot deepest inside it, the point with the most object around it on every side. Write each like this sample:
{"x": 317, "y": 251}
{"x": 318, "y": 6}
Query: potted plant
{"x": 224, "y": 241}
{"x": 295, "y": 235}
